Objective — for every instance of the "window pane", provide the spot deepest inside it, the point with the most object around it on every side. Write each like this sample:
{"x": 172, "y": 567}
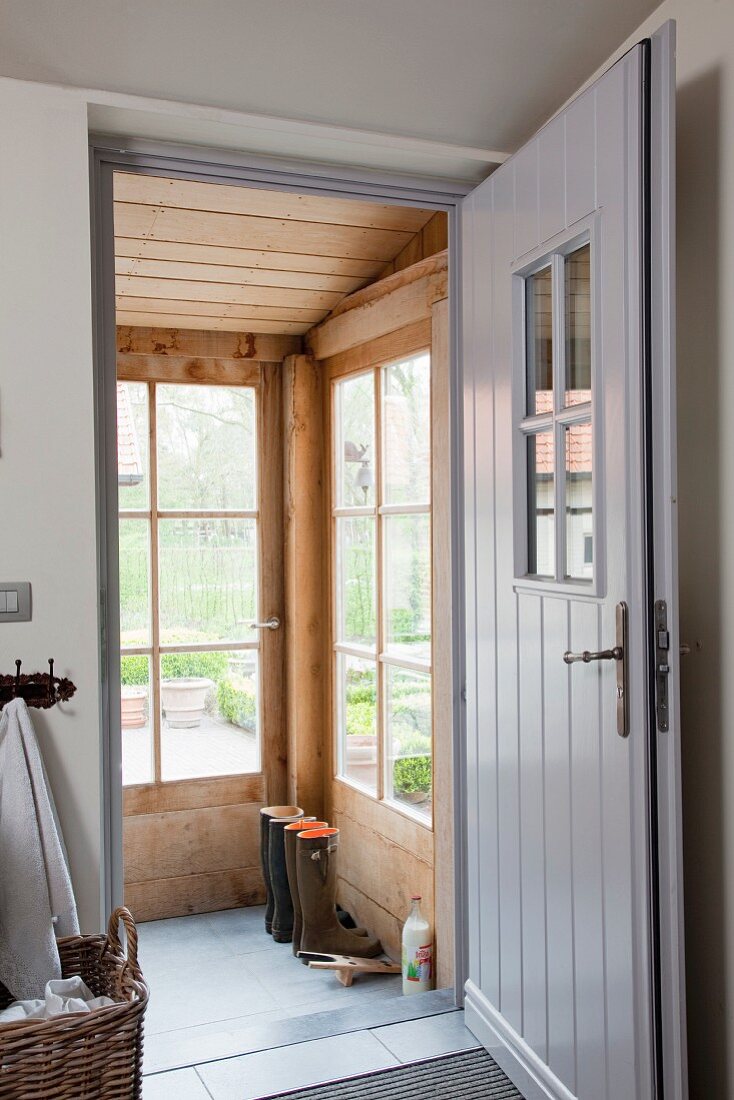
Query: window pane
{"x": 209, "y": 714}
{"x": 134, "y": 582}
{"x": 579, "y": 516}
{"x": 355, "y": 441}
{"x": 541, "y": 505}
{"x": 207, "y": 580}
{"x": 132, "y": 445}
{"x": 539, "y": 309}
{"x": 407, "y": 573}
{"x": 206, "y": 447}
{"x": 137, "y": 728}
{"x": 356, "y": 686}
{"x": 406, "y": 428}
{"x": 357, "y": 615}
{"x": 578, "y": 326}
{"x": 409, "y": 738}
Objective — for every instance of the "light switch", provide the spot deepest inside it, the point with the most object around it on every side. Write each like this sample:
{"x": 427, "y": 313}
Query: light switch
{"x": 15, "y": 601}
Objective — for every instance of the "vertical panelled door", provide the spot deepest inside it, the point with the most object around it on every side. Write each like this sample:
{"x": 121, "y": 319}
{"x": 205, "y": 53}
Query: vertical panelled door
{"x": 560, "y": 960}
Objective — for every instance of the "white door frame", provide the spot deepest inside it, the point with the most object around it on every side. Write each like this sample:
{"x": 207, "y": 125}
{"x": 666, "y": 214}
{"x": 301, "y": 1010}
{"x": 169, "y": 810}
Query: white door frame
{"x": 212, "y": 166}
{"x": 198, "y": 163}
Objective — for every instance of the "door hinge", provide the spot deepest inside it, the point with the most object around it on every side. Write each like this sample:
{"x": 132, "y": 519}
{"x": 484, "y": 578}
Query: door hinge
{"x": 662, "y": 665}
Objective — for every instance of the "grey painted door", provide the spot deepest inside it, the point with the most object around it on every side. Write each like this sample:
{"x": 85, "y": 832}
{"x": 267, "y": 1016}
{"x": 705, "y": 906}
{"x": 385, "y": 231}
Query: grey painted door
{"x": 560, "y": 928}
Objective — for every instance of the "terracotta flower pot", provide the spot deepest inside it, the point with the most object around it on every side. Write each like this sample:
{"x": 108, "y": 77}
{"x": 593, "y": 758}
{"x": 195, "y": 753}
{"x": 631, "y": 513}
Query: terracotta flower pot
{"x": 133, "y": 705}
{"x": 184, "y": 700}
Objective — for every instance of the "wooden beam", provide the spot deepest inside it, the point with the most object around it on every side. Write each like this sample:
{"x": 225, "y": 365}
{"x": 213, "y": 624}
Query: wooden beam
{"x": 187, "y": 370}
{"x": 385, "y": 349}
{"x": 432, "y": 265}
{"x": 395, "y": 302}
{"x": 143, "y": 319}
{"x": 206, "y": 344}
{"x": 305, "y": 604}
{"x": 226, "y": 255}
{"x": 281, "y": 205}
{"x": 190, "y": 794}
{"x": 252, "y": 276}
{"x": 242, "y": 231}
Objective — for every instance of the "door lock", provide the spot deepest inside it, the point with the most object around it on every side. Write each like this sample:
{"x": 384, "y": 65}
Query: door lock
{"x": 617, "y": 654}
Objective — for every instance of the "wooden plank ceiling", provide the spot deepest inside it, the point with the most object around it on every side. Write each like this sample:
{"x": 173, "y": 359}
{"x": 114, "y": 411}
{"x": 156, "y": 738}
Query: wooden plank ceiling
{"x": 212, "y": 256}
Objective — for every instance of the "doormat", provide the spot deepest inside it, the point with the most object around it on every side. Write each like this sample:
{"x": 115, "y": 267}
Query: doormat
{"x": 468, "y": 1074}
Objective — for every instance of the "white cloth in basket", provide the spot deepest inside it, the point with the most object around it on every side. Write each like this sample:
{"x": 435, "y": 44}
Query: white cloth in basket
{"x": 64, "y": 995}
{"x": 36, "y": 899}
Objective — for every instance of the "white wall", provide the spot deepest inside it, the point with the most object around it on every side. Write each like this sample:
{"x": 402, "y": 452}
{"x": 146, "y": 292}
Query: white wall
{"x": 47, "y": 505}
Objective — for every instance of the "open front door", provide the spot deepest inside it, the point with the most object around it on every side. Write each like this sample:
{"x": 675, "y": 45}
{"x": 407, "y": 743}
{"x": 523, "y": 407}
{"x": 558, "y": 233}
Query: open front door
{"x": 566, "y": 355}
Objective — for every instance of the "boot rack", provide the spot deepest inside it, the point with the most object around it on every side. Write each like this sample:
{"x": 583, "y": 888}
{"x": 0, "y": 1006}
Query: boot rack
{"x": 39, "y": 689}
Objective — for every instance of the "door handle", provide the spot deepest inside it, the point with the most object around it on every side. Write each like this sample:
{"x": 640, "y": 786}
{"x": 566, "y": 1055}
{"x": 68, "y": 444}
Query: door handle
{"x": 270, "y": 624}
{"x": 617, "y": 654}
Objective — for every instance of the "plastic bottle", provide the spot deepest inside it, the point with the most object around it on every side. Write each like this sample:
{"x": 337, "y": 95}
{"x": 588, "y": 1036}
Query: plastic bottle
{"x": 417, "y": 951}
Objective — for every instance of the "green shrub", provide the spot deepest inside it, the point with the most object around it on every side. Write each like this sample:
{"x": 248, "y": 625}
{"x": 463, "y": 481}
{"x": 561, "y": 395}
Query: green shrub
{"x": 134, "y": 670}
{"x": 360, "y": 718}
{"x": 412, "y": 774}
{"x": 212, "y": 666}
{"x": 236, "y": 703}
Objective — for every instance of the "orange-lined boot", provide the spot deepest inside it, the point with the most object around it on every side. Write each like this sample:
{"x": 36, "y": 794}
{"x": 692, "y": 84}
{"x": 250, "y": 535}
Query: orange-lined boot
{"x": 321, "y": 931}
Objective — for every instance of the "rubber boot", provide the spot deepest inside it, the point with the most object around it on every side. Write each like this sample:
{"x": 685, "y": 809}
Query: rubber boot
{"x": 282, "y": 924}
{"x": 321, "y": 932}
{"x": 290, "y": 813}
{"x": 290, "y": 834}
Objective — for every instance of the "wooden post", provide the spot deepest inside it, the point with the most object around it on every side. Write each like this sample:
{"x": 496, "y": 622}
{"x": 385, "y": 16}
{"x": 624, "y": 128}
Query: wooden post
{"x": 305, "y": 603}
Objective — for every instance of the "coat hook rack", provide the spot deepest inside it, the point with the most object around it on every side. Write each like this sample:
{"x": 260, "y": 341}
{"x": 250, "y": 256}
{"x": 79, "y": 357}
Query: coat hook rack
{"x": 39, "y": 689}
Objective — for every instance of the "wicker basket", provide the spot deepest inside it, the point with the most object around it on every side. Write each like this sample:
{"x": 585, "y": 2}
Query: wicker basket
{"x": 86, "y": 1056}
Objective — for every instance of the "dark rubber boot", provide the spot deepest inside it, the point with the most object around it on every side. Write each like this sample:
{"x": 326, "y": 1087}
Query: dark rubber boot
{"x": 290, "y": 813}
{"x": 282, "y": 926}
{"x": 290, "y": 833}
{"x": 322, "y": 933}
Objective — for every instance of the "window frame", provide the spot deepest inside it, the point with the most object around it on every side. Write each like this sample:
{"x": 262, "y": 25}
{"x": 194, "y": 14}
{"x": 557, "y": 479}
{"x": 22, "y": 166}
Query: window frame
{"x": 553, "y": 254}
{"x": 153, "y": 515}
{"x": 381, "y": 658}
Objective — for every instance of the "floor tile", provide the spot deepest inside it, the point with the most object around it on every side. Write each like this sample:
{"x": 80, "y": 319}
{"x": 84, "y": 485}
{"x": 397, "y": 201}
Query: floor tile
{"x": 426, "y": 1038}
{"x": 273, "y": 1071}
{"x": 183, "y": 1084}
{"x": 216, "y": 989}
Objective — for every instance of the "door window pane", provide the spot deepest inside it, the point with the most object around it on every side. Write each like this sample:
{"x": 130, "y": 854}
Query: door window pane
{"x": 357, "y": 719}
{"x": 135, "y": 719}
{"x": 357, "y": 609}
{"x": 409, "y": 776}
{"x": 579, "y": 516}
{"x": 206, "y": 448}
{"x": 132, "y": 445}
{"x": 407, "y": 598}
{"x": 207, "y": 580}
{"x": 539, "y": 342}
{"x": 209, "y": 714}
{"x": 355, "y": 441}
{"x": 541, "y": 505}
{"x": 406, "y": 431}
{"x": 578, "y": 325}
{"x": 134, "y": 536}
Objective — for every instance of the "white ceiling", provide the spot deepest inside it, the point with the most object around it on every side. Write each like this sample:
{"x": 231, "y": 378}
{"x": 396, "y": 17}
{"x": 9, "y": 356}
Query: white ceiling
{"x": 479, "y": 73}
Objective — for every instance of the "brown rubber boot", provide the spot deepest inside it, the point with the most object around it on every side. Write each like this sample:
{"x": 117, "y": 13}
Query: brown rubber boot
{"x": 316, "y": 872}
{"x": 290, "y": 834}
{"x": 290, "y": 813}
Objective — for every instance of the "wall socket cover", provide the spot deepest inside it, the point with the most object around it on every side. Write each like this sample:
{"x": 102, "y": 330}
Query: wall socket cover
{"x": 15, "y": 601}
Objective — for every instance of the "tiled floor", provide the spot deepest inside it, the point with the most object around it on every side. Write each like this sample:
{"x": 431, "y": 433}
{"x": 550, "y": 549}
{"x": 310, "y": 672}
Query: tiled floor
{"x": 233, "y": 1015}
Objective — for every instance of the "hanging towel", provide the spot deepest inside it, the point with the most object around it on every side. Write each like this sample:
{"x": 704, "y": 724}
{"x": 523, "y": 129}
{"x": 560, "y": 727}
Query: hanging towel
{"x": 62, "y": 996}
{"x": 36, "y": 899}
